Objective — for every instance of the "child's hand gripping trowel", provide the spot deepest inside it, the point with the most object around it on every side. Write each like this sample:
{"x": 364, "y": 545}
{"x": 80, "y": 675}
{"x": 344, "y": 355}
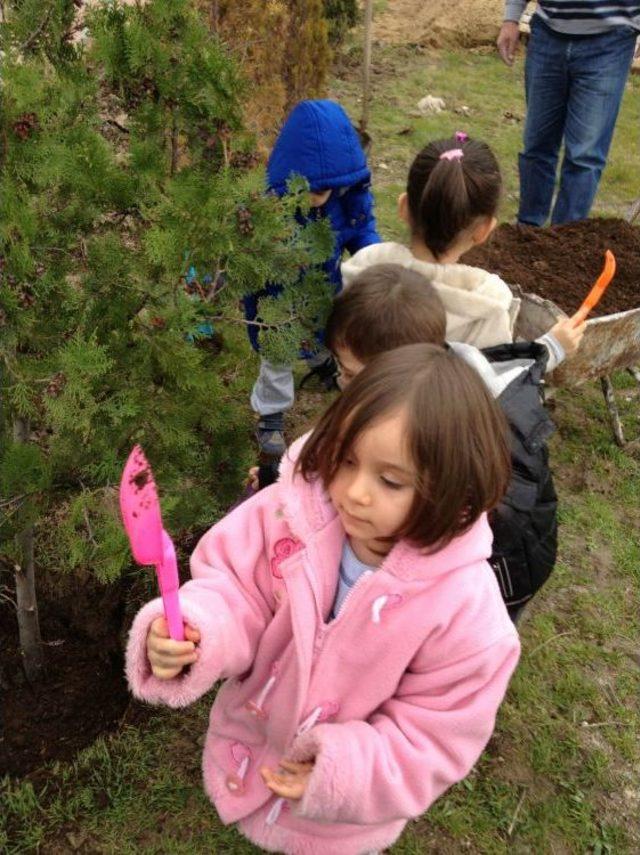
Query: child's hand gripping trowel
{"x": 150, "y": 543}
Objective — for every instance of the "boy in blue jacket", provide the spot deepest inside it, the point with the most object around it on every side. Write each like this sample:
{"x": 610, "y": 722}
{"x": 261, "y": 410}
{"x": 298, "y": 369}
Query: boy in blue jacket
{"x": 319, "y": 143}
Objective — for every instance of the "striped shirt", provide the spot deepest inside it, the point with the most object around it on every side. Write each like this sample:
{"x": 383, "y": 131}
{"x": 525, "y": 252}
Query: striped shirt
{"x": 580, "y": 17}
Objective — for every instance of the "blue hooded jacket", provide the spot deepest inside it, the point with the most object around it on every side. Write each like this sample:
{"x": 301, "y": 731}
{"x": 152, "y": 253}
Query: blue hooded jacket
{"x": 318, "y": 142}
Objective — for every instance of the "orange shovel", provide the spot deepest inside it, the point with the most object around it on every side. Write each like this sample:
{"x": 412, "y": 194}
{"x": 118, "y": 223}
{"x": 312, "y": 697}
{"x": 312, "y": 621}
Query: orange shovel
{"x": 601, "y": 284}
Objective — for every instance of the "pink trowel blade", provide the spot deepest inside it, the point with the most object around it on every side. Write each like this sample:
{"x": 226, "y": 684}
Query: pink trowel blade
{"x": 149, "y": 541}
{"x": 140, "y": 509}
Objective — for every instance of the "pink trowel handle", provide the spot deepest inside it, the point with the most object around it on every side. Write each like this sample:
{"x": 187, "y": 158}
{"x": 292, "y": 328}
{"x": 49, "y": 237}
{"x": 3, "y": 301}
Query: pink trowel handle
{"x": 167, "y": 574}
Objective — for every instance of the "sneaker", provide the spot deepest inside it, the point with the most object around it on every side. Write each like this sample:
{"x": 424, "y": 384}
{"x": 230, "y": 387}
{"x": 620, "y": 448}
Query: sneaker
{"x": 270, "y": 435}
{"x": 326, "y": 373}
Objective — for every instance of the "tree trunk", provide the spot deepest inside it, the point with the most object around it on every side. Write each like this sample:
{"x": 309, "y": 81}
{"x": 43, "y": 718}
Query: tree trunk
{"x": 174, "y": 143}
{"x": 214, "y": 16}
{"x": 366, "y": 65}
{"x": 28, "y": 623}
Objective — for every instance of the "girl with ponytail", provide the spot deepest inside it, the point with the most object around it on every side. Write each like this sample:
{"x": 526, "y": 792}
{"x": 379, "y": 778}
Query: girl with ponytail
{"x": 450, "y": 206}
{"x": 452, "y": 198}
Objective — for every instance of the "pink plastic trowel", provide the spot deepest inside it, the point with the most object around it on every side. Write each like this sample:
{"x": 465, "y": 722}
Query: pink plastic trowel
{"x": 150, "y": 543}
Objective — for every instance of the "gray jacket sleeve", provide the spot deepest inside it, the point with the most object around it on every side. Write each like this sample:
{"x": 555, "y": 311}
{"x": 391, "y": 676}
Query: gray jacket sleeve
{"x": 513, "y": 9}
{"x": 556, "y": 351}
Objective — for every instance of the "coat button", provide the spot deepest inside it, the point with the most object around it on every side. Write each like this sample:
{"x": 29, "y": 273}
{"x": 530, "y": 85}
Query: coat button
{"x": 255, "y": 710}
{"x": 235, "y": 785}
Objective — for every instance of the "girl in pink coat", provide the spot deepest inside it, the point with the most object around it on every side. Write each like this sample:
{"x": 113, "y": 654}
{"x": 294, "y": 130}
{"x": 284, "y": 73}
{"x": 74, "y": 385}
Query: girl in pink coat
{"x": 352, "y": 614}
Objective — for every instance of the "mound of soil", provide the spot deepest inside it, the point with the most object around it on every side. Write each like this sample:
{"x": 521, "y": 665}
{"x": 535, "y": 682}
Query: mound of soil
{"x": 561, "y": 263}
{"x": 465, "y": 23}
{"x": 82, "y": 695}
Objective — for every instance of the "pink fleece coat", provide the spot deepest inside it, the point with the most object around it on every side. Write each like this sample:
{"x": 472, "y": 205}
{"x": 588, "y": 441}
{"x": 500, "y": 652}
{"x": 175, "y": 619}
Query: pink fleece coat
{"x": 395, "y": 698}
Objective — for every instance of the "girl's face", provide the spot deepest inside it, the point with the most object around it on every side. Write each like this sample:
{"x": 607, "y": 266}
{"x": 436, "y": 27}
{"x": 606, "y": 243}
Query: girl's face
{"x": 374, "y": 488}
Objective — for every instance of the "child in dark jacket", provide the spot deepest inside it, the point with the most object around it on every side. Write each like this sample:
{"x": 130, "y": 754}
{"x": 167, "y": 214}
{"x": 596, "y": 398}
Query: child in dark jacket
{"x": 319, "y": 143}
{"x": 388, "y": 306}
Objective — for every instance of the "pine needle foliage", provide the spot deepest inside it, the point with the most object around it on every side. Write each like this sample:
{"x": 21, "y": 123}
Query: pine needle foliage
{"x": 341, "y": 16}
{"x": 309, "y": 52}
{"x": 121, "y": 167}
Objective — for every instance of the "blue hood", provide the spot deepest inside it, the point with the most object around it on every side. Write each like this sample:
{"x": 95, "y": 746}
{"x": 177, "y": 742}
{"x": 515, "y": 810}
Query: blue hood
{"x": 318, "y": 142}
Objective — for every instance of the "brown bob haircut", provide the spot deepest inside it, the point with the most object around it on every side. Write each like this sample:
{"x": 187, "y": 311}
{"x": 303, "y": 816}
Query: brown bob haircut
{"x": 457, "y": 437}
{"x": 446, "y": 196}
{"x": 386, "y": 306}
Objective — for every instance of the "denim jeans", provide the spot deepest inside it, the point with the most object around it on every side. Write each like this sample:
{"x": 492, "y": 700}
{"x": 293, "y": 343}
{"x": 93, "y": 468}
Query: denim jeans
{"x": 574, "y": 87}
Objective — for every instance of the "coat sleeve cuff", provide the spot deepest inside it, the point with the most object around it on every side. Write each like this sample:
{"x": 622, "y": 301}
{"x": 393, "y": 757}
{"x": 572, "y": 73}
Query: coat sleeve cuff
{"x": 328, "y": 794}
{"x": 557, "y": 353}
{"x": 513, "y": 10}
{"x": 193, "y": 682}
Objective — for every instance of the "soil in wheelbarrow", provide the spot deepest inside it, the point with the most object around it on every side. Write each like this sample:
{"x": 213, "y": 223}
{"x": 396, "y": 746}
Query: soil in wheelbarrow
{"x": 561, "y": 263}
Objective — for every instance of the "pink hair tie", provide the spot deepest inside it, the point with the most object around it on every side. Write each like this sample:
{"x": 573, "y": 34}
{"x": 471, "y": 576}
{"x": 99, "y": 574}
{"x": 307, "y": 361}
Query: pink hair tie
{"x": 452, "y": 154}
{"x": 461, "y": 136}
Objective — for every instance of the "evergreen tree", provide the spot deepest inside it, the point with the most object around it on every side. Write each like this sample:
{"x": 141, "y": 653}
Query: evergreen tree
{"x": 120, "y": 169}
{"x": 309, "y": 53}
{"x": 341, "y": 15}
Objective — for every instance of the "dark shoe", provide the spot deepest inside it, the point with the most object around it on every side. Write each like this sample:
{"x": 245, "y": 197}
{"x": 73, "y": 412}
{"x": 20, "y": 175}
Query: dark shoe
{"x": 270, "y": 435}
{"x": 326, "y": 373}
{"x": 268, "y": 474}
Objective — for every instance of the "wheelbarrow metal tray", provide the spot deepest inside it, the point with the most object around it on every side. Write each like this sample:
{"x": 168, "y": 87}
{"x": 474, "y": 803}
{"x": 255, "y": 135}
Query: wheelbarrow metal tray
{"x": 611, "y": 343}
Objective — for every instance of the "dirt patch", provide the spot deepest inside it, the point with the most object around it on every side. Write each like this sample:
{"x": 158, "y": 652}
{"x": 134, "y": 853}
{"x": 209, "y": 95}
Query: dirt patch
{"x": 82, "y": 695}
{"x": 465, "y": 23}
{"x": 583, "y": 479}
{"x": 561, "y": 263}
{"x": 310, "y": 403}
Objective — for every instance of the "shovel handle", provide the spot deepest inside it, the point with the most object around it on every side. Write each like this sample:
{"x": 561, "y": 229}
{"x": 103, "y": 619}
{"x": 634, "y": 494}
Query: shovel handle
{"x": 600, "y": 286}
{"x": 169, "y": 582}
{"x": 173, "y": 615}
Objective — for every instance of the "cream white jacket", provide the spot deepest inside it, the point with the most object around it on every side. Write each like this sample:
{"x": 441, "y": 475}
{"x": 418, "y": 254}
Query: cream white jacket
{"x": 481, "y": 310}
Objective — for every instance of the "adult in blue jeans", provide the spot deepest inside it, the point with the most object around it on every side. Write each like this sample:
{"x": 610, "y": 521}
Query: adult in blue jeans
{"x": 578, "y": 60}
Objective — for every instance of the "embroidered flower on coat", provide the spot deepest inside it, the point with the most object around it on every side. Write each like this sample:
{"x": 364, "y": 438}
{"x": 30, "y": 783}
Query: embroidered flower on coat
{"x": 283, "y": 549}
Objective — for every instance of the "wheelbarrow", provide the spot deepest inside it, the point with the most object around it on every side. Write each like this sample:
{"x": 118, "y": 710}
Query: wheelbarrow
{"x": 611, "y": 343}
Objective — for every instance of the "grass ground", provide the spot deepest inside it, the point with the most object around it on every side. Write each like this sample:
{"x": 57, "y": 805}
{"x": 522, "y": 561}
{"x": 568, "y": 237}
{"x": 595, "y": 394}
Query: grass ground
{"x": 561, "y": 772}
{"x": 484, "y": 98}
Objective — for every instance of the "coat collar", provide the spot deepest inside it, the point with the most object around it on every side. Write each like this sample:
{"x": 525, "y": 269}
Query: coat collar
{"x": 309, "y": 511}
